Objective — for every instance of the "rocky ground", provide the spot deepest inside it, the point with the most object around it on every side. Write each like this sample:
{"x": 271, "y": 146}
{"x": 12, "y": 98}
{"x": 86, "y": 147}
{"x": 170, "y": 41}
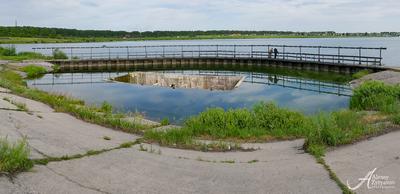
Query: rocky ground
{"x": 279, "y": 167}
{"x": 388, "y": 77}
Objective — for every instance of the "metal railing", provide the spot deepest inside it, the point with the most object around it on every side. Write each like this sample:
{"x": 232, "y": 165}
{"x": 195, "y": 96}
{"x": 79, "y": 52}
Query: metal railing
{"x": 368, "y": 56}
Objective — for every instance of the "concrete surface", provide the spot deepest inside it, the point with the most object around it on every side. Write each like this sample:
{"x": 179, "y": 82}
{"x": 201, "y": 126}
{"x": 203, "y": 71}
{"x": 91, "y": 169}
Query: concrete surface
{"x": 56, "y": 134}
{"x": 354, "y": 161}
{"x": 283, "y": 170}
{"x": 7, "y": 105}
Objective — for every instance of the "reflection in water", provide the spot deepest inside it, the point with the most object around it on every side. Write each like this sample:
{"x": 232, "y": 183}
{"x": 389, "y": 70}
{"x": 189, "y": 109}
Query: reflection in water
{"x": 306, "y": 95}
{"x": 208, "y": 82}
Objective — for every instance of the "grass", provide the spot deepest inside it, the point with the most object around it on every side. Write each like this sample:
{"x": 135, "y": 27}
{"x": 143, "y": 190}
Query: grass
{"x": 14, "y": 158}
{"x": 361, "y": 74}
{"x": 265, "y": 121}
{"x": 11, "y": 54}
{"x": 33, "y": 71}
{"x": 165, "y": 122}
{"x": 377, "y": 96}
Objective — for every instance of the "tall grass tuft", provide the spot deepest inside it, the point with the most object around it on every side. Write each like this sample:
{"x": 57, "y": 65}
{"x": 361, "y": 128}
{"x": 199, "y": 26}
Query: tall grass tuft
{"x": 14, "y": 157}
{"x": 58, "y": 54}
{"x": 375, "y": 95}
{"x": 33, "y": 71}
{"x": 10, "y": 51}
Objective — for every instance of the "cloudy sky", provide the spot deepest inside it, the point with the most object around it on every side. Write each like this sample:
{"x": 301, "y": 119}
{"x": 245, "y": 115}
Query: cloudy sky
{"x": 143, "y": 15}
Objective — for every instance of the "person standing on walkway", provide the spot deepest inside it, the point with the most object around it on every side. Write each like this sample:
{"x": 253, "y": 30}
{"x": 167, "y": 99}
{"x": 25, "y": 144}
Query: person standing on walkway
{"x": 275, "y": 53}
{"x": 270, "y": 53}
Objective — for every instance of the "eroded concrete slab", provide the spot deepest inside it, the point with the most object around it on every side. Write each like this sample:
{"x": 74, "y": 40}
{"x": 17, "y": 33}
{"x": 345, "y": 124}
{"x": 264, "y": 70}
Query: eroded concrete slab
{"x": 7, "y": 105}
{"x": 30, "y": 104}
{"x": 353, "y": 162}
{"x": 285, "y": 170}
{"x": 56, "y": 134}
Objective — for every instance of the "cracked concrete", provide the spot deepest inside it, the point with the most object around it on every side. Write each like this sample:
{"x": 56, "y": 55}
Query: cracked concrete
{"x": 55, "y": 134}
{"x": 134, "y": 171}
{"x": 279, "y": 167}
{"x": 354, "y": 161}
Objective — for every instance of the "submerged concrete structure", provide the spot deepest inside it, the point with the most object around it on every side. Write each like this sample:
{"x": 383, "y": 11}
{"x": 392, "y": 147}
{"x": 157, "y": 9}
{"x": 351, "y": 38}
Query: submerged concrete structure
{"x": 206, "y": 82}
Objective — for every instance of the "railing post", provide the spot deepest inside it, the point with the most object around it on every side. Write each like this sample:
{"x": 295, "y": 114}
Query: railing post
{"x": 252, "y": 47}
{"x": 181, "y": 51}
{"x": 163, "y": 51}
{"x": 127, "y": 52}
{"x": 300, "y": 54}
{"x": 217, "y": 51}
{"x": 234, "y": 51}
{"x": 319, "y": 53}
{"x": 72, "y": 55}
{"x": 109, "y": 53}
{"x": 199, "y": 51}
{"x": 359, "y": 56}
{"x": 380, "y": 56}
{"x": 145, "y": 52}
{"x": 338, "y": 54}
{"x": 283, "y": 53}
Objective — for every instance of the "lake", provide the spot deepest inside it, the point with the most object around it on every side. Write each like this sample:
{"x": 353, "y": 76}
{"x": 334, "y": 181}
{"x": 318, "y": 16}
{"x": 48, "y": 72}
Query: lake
{"x": 307, "y": 92}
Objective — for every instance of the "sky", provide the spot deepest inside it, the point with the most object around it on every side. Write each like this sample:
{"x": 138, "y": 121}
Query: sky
{"x": 150, "y": 15}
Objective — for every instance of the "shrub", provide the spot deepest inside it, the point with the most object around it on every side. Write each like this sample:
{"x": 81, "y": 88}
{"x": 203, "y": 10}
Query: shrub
{"x": 58, "y": 54}
{"x": 165, "y": 122}
{"x": 14, "y": 157}
{"x": 106, "y": 107}
{"x": 11, "y": 51}
{"x": 33, "y": 71}
{"x": 338, "y": 128}
{"x": 374, "y": 95}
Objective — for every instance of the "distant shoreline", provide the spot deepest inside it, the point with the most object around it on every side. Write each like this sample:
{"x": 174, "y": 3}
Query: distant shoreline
{"x": 39, "y": 40}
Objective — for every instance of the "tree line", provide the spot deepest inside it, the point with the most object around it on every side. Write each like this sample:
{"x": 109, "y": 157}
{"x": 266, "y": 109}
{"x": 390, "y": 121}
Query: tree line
{"x": 42, "y": 32}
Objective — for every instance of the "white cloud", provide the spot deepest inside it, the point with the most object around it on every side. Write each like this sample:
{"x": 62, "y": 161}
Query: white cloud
{"x": 297, "y": 15}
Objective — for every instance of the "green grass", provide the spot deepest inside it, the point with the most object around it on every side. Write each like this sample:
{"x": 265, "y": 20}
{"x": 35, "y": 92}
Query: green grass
{"x": 375, "y": 95}
{"x": 361, "y": 74}
{"x": 58, "y": 54}
{"x": 165, "y": 122}
{"x": 14, "y": 158}
{"x": 11, "y": 54}
{"x": 33, "y": 71}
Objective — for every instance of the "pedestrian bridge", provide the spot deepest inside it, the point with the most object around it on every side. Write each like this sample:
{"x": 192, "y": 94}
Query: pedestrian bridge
{"x": 318, "y": 58}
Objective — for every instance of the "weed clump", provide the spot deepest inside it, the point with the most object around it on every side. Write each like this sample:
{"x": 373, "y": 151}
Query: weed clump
{"x": 33, "y": 71}
{"x": 375, "y": 95}
{"x": 58, "y": 54}
{"x": 14, "y": 157}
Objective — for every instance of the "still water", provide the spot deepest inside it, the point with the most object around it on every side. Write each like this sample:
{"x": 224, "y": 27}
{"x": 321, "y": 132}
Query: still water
{"x": 390, "y": 56}
{"x": 302, "y": 93}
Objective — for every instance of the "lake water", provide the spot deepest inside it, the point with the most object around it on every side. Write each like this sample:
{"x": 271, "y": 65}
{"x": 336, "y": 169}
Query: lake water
{"x": 303, "y": 93}
{"x": 390, "y": 56}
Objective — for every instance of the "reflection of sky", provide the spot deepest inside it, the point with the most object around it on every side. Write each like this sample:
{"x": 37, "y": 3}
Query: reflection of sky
{"x": 158, "y": 102}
